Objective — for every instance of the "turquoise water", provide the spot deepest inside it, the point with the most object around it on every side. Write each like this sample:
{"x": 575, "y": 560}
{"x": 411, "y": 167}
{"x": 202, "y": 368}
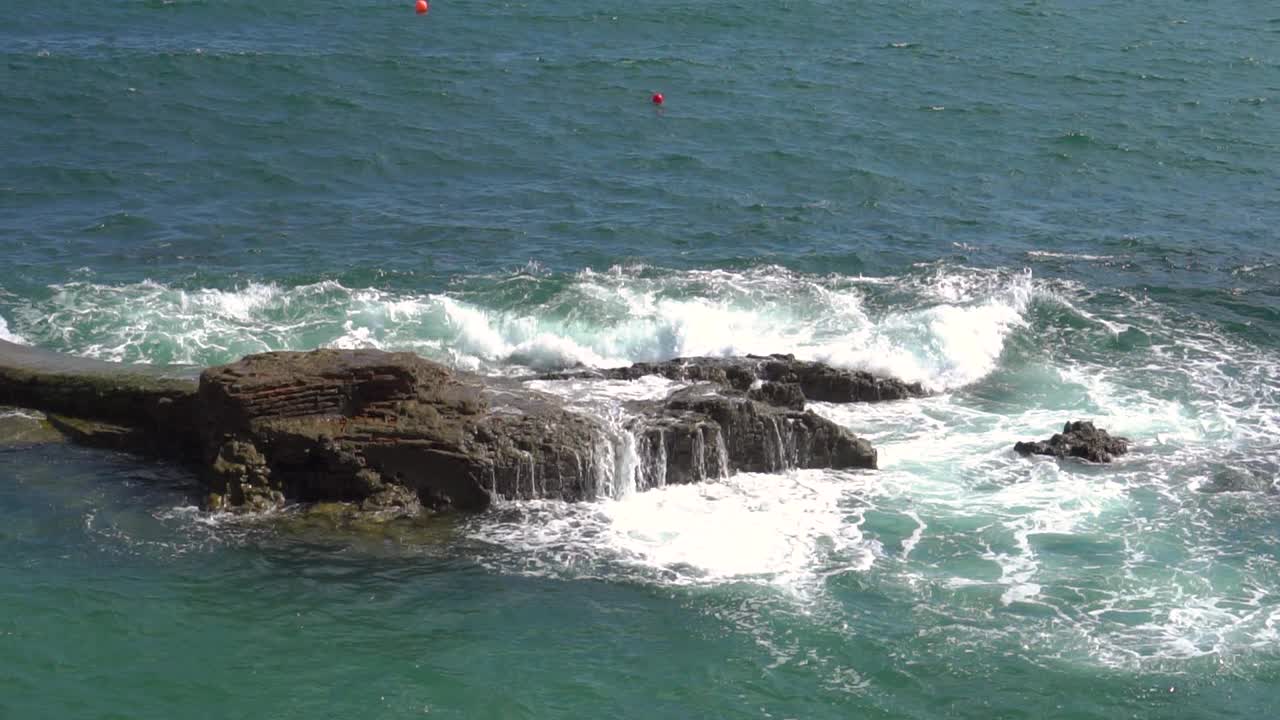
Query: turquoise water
{"x": 1043, "y": 211}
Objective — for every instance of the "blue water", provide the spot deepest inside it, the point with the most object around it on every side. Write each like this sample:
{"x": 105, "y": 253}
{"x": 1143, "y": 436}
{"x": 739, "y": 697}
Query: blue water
{"x": 1043, "y": 211}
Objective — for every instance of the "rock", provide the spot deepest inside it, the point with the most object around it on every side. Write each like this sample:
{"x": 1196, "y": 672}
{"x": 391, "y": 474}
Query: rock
{"x": 156, "y": 402}
{"x": 392, "y": 433}
{"x": 1234, "y": 472}
{"x": 373, "y": 533}
{"x": 779, "y": 394}
{"x": 348, "y": 425}
{"x": 354, "y": 425}
{"x": 393, "y": 500}
{"x": 775, "y": 379}
{"x": 823, "y": 383}
{"x": 1078, "y": 439}
{"x": 699, "y": 433}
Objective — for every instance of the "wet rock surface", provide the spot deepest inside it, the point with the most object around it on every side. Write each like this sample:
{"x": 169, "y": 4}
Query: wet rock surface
{"x": 1078, "y": 439}
{"x": 701, "y": 432}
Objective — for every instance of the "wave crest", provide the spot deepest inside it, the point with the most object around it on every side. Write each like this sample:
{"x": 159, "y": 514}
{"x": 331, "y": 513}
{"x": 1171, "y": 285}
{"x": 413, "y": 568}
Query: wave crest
{"x": 945, "y": 329}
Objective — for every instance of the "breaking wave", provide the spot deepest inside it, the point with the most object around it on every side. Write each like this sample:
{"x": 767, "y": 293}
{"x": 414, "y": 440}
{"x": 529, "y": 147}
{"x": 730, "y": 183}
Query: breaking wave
{"x": 949, "y": 330}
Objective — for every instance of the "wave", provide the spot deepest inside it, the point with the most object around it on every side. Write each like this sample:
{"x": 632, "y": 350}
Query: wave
{"x": 949, "y": 329}
{"x": 1069, "y": 256}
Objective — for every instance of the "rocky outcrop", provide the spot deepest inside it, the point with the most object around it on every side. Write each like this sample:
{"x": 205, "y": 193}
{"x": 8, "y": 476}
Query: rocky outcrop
{"x": 354, "y": 425}
{"x": 778, "y": 379}
{"x": 700, "y": 433}
{"x": 1078, "y": 439}
{"x": 390, "y": 432}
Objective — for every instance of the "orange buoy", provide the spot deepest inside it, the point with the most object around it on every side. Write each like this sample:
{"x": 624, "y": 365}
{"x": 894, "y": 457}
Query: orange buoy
{"x": 422, "y": 7}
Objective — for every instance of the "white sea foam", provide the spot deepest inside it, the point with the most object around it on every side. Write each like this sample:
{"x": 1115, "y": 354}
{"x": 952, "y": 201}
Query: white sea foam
{"x": 1069, "y": 256}
{"x": 599, "y": 394}
{"x": 788, "y": 531}
{"x": 31, "y": 415}
{"x": 8, "y": 336}
{"x": 598, "y": 319}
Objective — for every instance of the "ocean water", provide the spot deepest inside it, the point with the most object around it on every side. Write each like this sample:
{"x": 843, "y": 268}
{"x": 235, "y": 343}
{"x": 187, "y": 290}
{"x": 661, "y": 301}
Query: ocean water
{"x": 1044, "y": 211}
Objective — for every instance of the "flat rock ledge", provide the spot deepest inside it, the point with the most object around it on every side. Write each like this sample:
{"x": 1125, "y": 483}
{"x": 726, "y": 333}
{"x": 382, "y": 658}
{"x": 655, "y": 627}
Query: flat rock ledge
{"x": 393, "y": 432}
{"x": 1078, "y": 439}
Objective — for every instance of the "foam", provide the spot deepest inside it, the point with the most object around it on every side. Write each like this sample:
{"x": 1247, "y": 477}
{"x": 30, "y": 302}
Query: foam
{"x": 1196, "y": 400}
{"x": 595, "y": 319}
{"x": 1069, "y": 256}
{"x": 8, "y": 336}
{"x": 787, "y": 531}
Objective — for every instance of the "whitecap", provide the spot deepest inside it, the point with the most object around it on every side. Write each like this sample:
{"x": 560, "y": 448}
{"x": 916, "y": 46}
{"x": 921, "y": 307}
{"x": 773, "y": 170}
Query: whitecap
{"x": 8, "y": 336}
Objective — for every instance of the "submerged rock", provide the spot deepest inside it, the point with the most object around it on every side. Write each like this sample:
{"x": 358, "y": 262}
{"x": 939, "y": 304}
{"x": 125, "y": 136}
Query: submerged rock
{"x": 1233, "y": 473}
{"x": 1078, "y": 439}
{"x": 18, "y": 427}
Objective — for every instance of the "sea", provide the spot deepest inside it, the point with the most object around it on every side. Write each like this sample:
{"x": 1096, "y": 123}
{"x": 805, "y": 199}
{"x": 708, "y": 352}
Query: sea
{"x": 1042, "y": 210}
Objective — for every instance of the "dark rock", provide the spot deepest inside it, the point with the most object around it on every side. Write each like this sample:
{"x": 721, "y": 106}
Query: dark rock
{"x": 94, "y": 433}
{"x": 823, "y": 383}
{"x": 779, "y": 394}
{"x": 1078, "y": 439}
{"x": 1234, "y": 472}
{"x": 698, "y": 434}
{"x": 346, "y": 425}
{"x": 158, "y": 402}
{"x": 393, "y": 500}
{"x": 815, "y": 381}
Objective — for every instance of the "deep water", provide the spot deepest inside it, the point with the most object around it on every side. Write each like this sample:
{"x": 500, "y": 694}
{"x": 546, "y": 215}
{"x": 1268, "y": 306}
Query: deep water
{"x": 1042, "y": 210}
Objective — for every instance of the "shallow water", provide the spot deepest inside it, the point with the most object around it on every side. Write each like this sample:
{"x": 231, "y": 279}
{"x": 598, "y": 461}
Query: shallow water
{"x": 1043, "y": 212}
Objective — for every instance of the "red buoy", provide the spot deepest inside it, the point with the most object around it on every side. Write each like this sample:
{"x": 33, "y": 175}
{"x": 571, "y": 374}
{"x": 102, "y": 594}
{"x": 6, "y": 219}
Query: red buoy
{"x": 658, "y": 99}
{"x": 422, "y": 7}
